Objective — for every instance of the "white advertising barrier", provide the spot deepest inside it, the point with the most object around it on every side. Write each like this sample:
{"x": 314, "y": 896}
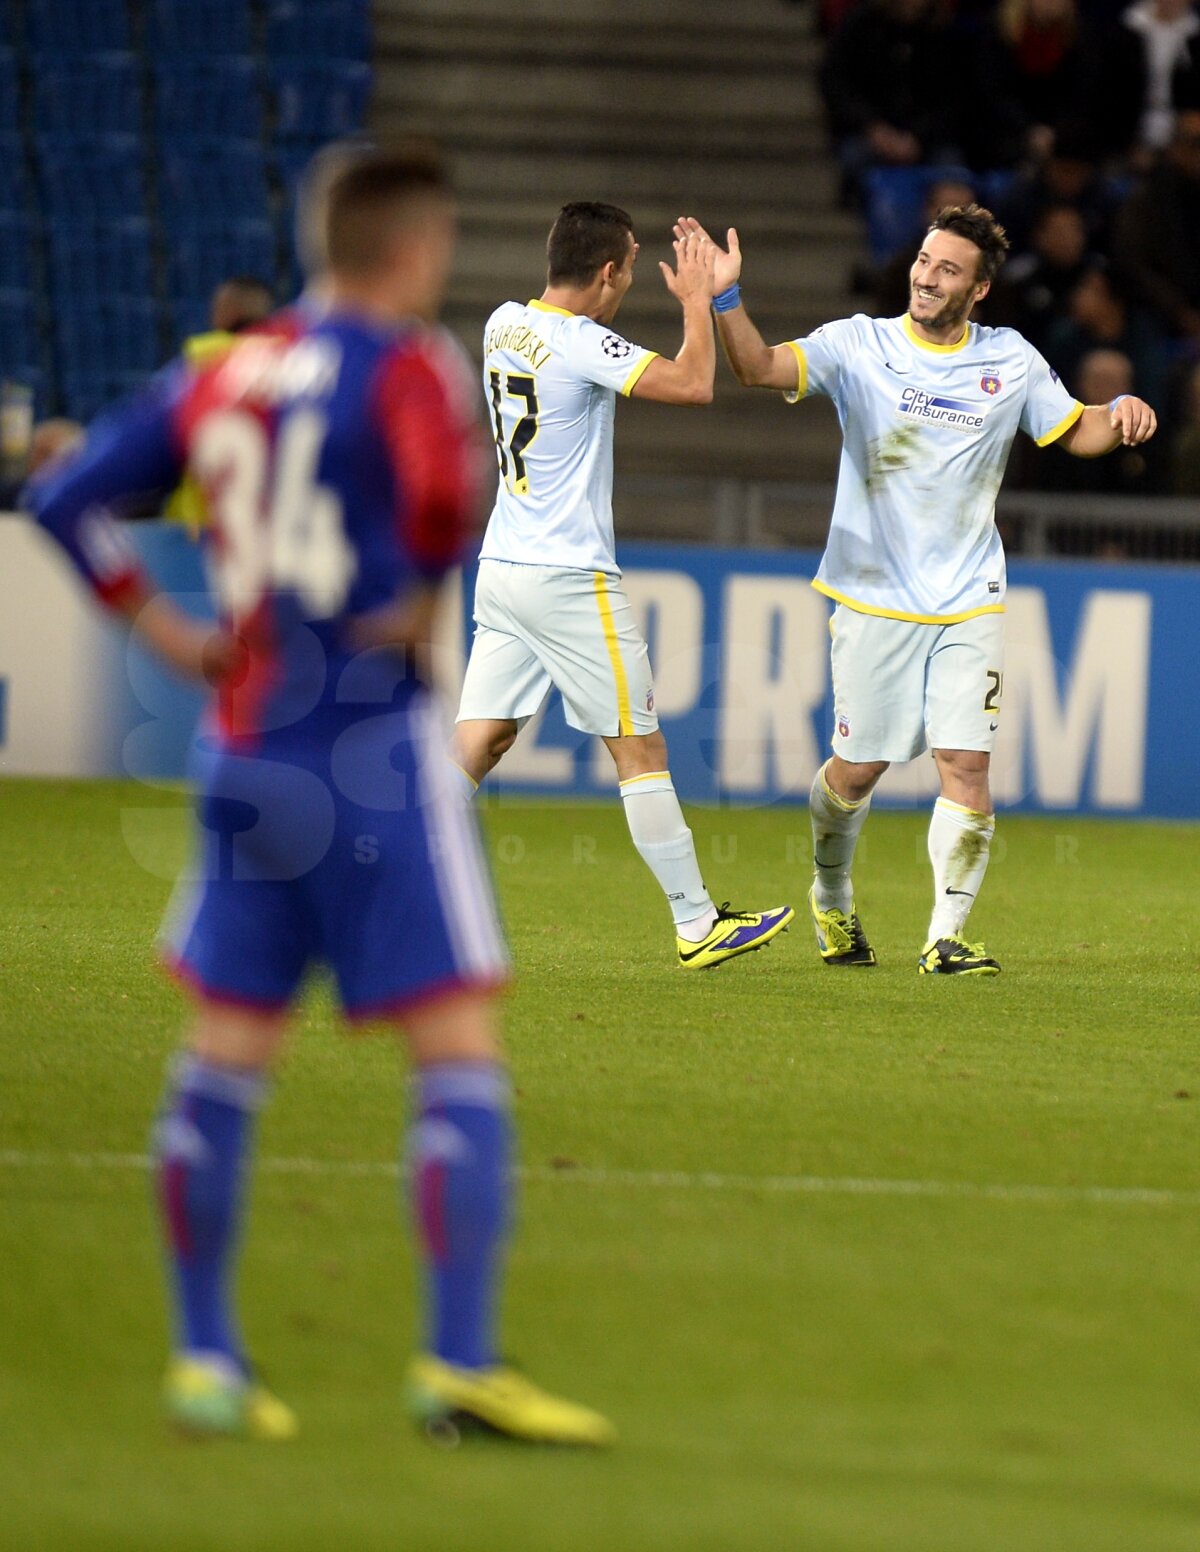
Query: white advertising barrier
{"x": 1099, "y": 659}
{"x": 60, "y": 660}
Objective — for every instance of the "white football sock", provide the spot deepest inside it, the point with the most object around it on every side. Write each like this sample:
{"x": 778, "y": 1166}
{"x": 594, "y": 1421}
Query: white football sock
{"x": 959, "y": 843}
{"x": 836, "y": 823}
{"x": 665, "y": 844}
{"x": 466, "y": 786}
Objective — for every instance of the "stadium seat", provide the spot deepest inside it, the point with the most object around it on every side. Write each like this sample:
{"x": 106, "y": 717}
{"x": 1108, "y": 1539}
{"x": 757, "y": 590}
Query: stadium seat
{"x": 318, "y": 30}
{"x": 319, "y": 102}
{"x": 106, "y": 335}
{"x": 214, "y": 179}
{"x": 101, "y": 95}
{"x": 18, "y": 329}
{"x": 894, "y": 197}
{"x": 10, "y": 94}
{"x": 16, "y": 248}
{"x": 216, "y": 92}
{"x": 201, "y": 255}
{"x": 95, "y": 259}
{"x": 87, "y": 394}
{"x": 14, "y": 184}
{"x": 78, "y": 26}
{"x": 199, "y": 27}
{"x": 101, "y": 176}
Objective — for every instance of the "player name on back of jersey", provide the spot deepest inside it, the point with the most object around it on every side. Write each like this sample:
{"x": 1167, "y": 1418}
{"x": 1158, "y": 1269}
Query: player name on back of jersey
{"x": 270, "y": 370}
{"x": 521, "y": 340}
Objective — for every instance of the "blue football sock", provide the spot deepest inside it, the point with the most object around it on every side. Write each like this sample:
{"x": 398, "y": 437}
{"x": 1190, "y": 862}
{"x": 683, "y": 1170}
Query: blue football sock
{"x": 459, "y": 1154}
{"x": 201, "y": 1142}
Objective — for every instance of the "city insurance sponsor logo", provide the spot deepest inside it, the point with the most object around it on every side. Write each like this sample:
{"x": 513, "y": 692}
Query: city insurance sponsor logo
{"x": 938, "y": 410}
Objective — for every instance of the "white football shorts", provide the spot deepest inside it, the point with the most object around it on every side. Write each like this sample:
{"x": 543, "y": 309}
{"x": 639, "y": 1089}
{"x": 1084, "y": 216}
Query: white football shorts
{"x": 537, "y": 626}
{"x": 900, "y": 688}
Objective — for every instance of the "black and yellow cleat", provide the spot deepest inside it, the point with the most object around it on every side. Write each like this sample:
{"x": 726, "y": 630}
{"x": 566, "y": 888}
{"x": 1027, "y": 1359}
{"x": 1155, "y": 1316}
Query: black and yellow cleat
{"x": 955, "y": 956}
{"x": 840, "y": 938}
{"x": 449, "y": 1403}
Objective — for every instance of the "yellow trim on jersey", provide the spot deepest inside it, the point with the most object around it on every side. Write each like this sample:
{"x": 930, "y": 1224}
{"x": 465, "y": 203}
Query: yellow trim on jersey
{"x": 794, "y": 395}
{"x": 1063, "y": 426}
{"x": 631, "y": 381}
{"x": 899, "y": 614}
{"x": 646, "y": 776}
{"x": 939, "y": 350}
{"x": 624, "y": 716}
{"x": 549, "y": 307}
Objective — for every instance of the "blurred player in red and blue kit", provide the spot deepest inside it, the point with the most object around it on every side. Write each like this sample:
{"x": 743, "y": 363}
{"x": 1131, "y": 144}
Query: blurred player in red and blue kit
{"x": 338, "y": 453}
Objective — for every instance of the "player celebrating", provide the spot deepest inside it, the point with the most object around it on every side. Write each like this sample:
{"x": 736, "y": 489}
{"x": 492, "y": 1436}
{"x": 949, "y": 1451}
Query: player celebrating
{"x": 549, "y": 608}
{"x": 339, "y": 460}
{"x": 929, "y": 405}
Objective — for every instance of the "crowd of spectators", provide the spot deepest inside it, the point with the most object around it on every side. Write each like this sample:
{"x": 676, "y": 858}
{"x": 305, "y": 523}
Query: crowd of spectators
{"x": 1078, "y": 123}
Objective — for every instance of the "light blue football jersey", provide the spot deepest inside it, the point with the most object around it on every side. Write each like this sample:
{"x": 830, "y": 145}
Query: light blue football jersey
{"x": 926, "y": 433}
{"x": 551, "y": 378}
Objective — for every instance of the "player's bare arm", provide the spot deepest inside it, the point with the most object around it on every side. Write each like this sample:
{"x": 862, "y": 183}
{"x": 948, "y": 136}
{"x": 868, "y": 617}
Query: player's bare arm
{"x": 196, "y": 649}
{"x": 688, "y": 379}
{"x": 1127, "y": 421}
{"x": 755, "y": 363}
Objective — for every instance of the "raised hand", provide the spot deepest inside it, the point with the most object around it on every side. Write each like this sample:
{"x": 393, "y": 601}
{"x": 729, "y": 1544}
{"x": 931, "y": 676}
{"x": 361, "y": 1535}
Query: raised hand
{"x": 692, "y": 277}
{"x": 728, "y": 266}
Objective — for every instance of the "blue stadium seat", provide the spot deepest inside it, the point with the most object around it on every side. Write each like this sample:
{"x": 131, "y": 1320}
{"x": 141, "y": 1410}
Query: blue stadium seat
{"x": 16, "y": 248}
{"x": 88, "y": 393}
{"x": 102, "y": 175}
{"x": 319, "y": 102}
{"x": 196, "y": 96}
{"x": 14, "y": 182}
{"x": 201, "y": 255}
{"x": 894, "y": 199}
{"x": 101, "y": 95}
{"x": 214, "y": 179}
{"x": 199, "y": 27}
{"x": 10, "y": 95}
{"x": 318, "y": 29}
{"x": 97, "y": 259}
{"x": 108, "y": 335}
{"x": 18, "y": 329}
{"x": 57, "y": 27}
{"x": 189, "y": 315}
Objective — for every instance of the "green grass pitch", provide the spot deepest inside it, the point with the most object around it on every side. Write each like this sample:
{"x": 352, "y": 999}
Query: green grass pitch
{"x": 717, "y": 1245}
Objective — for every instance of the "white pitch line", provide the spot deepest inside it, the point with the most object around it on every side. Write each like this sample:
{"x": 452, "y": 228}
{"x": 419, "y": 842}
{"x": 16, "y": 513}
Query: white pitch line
{"x": 669, "y": 1180}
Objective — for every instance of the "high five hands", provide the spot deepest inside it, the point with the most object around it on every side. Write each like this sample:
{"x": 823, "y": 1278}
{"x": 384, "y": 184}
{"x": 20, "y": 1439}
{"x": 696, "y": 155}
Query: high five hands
{"x": 695, "y": 259}
{"x": 727, "y": 265}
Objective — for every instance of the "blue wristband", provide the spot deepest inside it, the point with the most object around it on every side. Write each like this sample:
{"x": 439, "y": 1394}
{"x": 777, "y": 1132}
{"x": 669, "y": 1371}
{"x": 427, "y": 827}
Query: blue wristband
{"x": 728, "y": 299}
{"x": 1112, "y": 406}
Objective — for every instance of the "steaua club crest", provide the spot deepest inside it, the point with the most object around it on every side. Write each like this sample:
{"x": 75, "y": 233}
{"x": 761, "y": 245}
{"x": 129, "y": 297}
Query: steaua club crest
{"x": 843, "y": 727}
{"x": 990, "y": 383}
{"x": 650, "y": 699}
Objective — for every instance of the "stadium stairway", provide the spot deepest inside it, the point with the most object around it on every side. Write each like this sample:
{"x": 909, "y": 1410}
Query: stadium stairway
{"x": 664, "y": 107}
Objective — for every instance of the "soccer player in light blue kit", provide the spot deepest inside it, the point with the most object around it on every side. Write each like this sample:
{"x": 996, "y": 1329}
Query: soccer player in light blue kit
{"x": 929, "y": 405}
{"x": 549, "y": 606}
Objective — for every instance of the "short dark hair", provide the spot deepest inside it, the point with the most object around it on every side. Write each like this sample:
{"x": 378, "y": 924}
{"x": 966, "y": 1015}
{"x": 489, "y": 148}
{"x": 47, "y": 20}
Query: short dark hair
{"x": 978, "y": 226}
{"x": 585, "y": 237}
{"x": 371, "y": 196}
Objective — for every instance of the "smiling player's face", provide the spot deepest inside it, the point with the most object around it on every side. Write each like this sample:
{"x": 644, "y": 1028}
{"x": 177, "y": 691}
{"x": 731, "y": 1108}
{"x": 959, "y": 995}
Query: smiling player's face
{"x": 942, "y": 283}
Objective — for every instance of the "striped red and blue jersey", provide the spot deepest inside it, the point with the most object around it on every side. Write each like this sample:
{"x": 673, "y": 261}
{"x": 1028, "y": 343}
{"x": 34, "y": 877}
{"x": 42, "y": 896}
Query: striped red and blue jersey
{"x": 340, "y": 461}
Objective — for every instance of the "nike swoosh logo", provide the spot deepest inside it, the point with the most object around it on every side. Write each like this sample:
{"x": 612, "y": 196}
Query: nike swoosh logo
{"x": 900, "y": 371}
{"x": 967, "y": 892}
{"x": 821, "y": 864}
{"x": 992, "y": 726}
